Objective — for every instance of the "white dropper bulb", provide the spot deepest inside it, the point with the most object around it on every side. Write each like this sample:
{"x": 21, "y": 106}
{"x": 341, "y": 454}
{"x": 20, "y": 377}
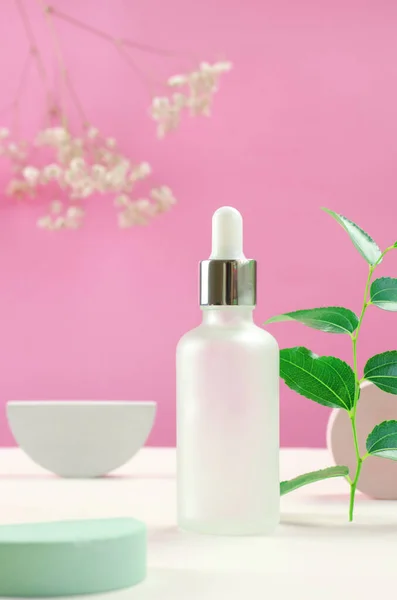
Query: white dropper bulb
{"x": 227, "y": 234}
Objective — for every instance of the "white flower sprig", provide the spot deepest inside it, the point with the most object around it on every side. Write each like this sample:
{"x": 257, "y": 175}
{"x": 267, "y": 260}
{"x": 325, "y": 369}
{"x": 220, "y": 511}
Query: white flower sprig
{"x": 140, "y": 212}
{"x": 71, "y": 218}
{"x": 88, "y": 164}
{"x": 195, "y": 94}
{"x": 73, "y": 167}
{"x": 83, "y": 166}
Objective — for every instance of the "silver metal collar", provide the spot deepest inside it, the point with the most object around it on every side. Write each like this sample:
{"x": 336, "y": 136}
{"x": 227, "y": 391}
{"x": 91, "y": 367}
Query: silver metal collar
{"x": 228, "y": 282}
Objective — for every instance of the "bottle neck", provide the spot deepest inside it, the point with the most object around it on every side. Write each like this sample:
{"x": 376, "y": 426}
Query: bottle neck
{"x": 227, "y": 315}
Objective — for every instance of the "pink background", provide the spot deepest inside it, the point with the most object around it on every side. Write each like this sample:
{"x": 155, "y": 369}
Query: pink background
{"x": 306, "y": 119}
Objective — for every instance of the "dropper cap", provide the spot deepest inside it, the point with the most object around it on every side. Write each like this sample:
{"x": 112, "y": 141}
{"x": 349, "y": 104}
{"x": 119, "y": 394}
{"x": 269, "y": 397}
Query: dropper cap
{"x": 227, "y": 234}
{"x": 227, "y": 278}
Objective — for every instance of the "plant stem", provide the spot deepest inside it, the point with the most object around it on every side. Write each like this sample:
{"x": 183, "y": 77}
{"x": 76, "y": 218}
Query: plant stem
{"x": 353, "y": 412}
{"x": 353, "y": 485}
{"x": 61, "y": 63}
{"x": 32, "y": 41}
{"x": 108, "y": 37}
{"x": 121, "y": 45}
{"x": 353, "y": 490}
{"x": 34, "y": 51}
{"x": 21, "y": 85}
{"x": 388, "y": 249}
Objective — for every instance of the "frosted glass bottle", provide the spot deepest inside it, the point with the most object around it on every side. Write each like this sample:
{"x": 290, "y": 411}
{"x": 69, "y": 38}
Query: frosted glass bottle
{"x": 228, "y": 412}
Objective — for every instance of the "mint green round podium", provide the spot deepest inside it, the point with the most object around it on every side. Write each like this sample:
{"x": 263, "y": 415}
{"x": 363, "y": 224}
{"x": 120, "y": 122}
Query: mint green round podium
{"x": 71, "y": 557}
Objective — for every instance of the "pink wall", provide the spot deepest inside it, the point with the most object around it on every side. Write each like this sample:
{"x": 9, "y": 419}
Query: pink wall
{"x": 307, "y": 118}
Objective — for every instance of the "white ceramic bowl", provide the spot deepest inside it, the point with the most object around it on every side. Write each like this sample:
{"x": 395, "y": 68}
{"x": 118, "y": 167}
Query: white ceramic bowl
{"x": 80, "y": 438}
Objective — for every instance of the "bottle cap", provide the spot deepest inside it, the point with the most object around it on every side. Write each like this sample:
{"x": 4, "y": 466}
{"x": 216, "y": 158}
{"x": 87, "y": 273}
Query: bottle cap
{"x": 227, "y": 278}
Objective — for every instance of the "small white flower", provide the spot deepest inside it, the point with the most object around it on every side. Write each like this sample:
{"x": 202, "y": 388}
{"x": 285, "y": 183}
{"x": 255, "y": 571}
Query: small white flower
{"x": 77, "y": 164}
{"x": 13, "y": 148}
{"x": 98, "y": 170}
{"x": 53, "y": 136}
{"x": 92, "y": 133}
{"x": 59, "y": 134}
{"x": 98, "y": 179}
{"x": 222, "y": 66}
{"x": 163, "y": 197}
{"x": 52, "y": 171}
{"x": 159, "y": 104}
{"x": 200, "y": 106}
{"x": 110, "y": 142}
{"x": 116, "y": 177}
{"x": 140, "y": 171}
{"x": 145, "y": 169}
{"x": 107, "y": 157}
{"x": 180, "y": 100}
{"x": 4, "y": 133}
{"x": 31, "y": 174}
{"x": 205, "y": 67}
{"x": 177, "y": 80}
{"x": 69, "y": 177}
{"x": 166, "y": 112}
{"x": 74, "y": 211}
{"x": 19, "y": 188}
{"x": 44, "y": 222}
{"x": 86, "y": 191}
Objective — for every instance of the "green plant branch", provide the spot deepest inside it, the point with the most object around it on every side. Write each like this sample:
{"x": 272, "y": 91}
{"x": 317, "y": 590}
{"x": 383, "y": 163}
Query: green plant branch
{"x": 360, "y": 459}
{"x": 353, "y": 412}
{"x": 353, "y": 487}
{"x": 331, "y": 381}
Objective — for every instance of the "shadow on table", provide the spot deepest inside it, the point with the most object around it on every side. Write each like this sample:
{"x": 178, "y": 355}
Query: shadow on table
{"x": 110, "y": 477}
{"x": 292, "y": 525}
{"x": 21, "y": 476}
{"x": 329, "y": 525}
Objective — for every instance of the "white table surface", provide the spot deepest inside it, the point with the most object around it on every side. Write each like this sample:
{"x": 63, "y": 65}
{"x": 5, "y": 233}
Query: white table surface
{"x": 315, "y": 554}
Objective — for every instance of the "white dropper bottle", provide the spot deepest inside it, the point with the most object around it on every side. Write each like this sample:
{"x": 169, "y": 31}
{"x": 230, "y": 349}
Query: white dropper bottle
{"x": 228, "y": 399}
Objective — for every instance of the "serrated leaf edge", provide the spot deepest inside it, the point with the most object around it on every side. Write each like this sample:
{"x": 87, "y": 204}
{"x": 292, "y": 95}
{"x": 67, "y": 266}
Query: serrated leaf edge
{"x": 388, "y": 352}
{"x": 290, "y": 313}
{"x": 316, "y": 356}
{"x": 381, "y": 438}
{"x": 383, "y": 290}
{"x": 337, "y": 217}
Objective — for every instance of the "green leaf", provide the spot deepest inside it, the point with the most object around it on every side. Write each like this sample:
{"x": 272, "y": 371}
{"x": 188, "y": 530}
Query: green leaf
{"x": 384, "y": 293}
{"x": 332, "y": 319}
{"x": 382, "y": 441}
{"x": 381, "y": 369}
{"x": 301, "y": 480}
{"x": 362, "y": 241}
{"x": 324, "y": 379}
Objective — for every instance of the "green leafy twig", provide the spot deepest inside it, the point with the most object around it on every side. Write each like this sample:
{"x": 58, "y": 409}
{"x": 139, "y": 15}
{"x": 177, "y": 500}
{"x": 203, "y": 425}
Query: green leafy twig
{"x": 330, "y": 381}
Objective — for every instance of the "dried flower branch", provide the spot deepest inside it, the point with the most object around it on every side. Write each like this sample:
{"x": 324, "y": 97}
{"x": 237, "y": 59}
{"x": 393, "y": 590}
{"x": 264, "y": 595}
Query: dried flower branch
{"x": 196, "y": 90}
{"x": 74, "y": 167}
